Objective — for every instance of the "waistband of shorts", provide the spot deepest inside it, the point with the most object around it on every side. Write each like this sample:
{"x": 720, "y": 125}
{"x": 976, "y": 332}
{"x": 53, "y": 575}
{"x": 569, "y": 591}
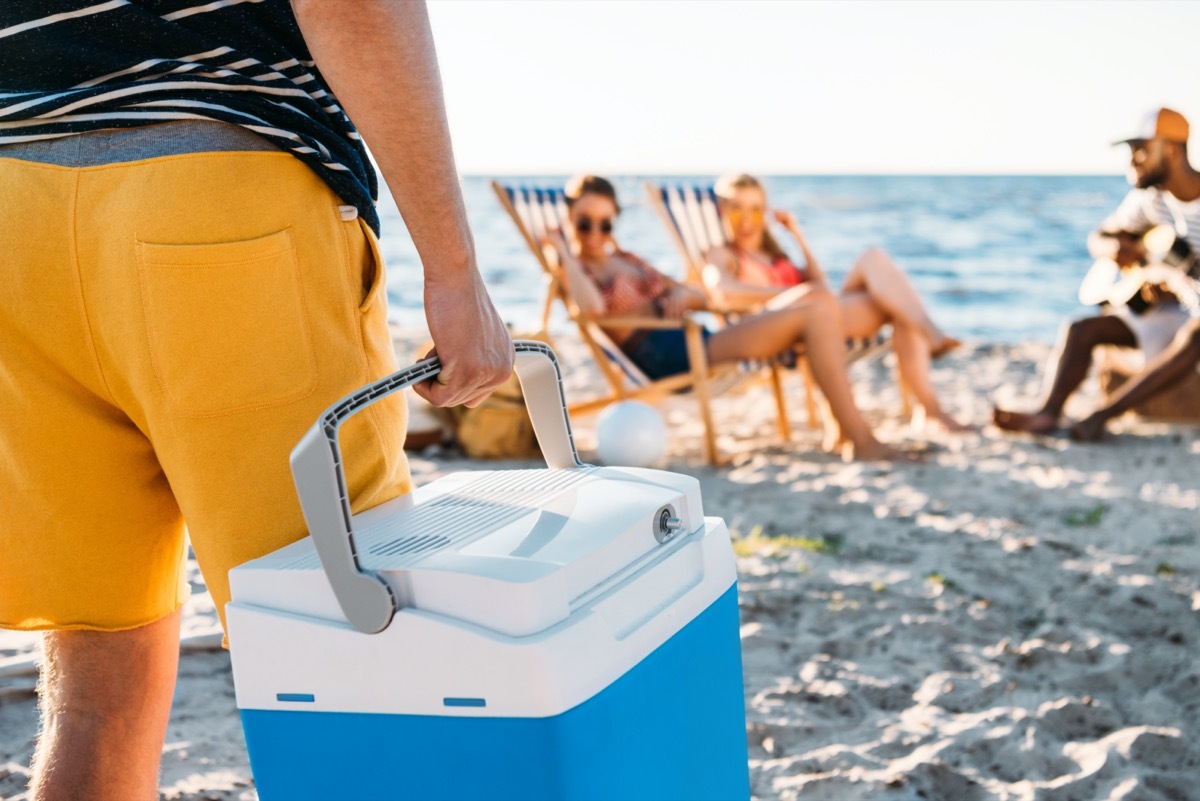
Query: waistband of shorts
{"x": 114, "y": 146}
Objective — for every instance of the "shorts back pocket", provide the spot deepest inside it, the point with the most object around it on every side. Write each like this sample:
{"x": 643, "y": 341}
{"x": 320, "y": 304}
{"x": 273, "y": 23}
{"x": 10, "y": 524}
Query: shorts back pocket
{"x": 227, "y": 326}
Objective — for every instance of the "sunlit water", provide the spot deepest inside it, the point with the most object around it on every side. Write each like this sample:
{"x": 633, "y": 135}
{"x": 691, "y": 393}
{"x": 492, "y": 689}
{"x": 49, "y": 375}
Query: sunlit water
{"x": 997, "y": 258}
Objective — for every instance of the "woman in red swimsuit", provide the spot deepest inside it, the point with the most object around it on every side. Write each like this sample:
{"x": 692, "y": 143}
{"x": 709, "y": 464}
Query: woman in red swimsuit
{"x": 605, "y": 281}
{"x": 754, "y": 272}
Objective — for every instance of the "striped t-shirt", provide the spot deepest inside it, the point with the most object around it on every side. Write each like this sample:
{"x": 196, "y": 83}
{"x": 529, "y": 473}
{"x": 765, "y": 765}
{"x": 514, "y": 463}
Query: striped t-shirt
{"x": 72, "y": 66}
{"x": 1144, "y": 208}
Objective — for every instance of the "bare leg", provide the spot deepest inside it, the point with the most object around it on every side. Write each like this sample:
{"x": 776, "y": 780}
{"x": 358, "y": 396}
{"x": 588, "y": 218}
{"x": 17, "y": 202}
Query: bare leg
{"x": 106, "y": 698}
{"x": 916, "y": 366}
{"x": 1171, "y": 366}
{"x": 1073, "y": 364}
{"x": 815, "y": 321}
{"x": 863, "y": 317}
{"x": 886, "y": 284}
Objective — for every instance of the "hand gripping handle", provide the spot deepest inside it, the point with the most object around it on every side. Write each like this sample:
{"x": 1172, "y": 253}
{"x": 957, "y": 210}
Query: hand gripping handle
{"x": 365, "y": 598}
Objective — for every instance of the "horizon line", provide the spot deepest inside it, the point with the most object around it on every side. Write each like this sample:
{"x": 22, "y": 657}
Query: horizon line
{"x": 790, "y": 174}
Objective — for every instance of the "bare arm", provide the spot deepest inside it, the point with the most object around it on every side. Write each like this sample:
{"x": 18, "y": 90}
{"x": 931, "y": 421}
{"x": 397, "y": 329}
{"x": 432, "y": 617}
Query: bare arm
{"x": 720, "y": 277}
{"x": 1100, "y": 246}
{"x": 580, "y": 287}
{"x": 1134, "y": 214}
{"x": 815, "y": 274}
{"x": 680, "y": 299}
{"x": 1127, "y": 250}
{"x": 378, "y": 57}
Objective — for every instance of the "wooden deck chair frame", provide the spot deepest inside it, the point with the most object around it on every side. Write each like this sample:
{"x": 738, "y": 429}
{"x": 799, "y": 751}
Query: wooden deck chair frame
{"x": 692, "y": 216}
{"x": 535, "y": 211}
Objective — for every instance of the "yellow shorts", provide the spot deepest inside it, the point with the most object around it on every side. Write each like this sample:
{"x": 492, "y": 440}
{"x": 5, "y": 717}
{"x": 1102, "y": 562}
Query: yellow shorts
{"x": 169, "y": 328}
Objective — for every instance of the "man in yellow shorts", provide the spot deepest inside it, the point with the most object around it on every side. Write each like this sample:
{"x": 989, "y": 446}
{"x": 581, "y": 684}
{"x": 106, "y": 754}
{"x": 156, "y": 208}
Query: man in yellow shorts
{"x": 190, "y": 276}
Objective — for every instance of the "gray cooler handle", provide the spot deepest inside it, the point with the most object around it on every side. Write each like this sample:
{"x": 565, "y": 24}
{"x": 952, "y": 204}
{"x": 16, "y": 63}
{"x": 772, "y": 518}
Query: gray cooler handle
{"x": 365, "y": 598}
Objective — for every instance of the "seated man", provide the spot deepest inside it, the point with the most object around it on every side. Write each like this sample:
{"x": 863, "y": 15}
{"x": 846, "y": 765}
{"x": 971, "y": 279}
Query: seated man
{"x": 1171, "y": 366}
{"x": 1166, "y": 191}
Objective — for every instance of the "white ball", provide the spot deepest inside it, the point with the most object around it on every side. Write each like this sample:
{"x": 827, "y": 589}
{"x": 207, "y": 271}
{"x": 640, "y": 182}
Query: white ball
{"x": 630, "y": 433}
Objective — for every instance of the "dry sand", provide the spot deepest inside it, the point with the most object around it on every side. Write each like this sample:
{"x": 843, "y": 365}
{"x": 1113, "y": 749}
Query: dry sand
{"x": 1016, "y": 618}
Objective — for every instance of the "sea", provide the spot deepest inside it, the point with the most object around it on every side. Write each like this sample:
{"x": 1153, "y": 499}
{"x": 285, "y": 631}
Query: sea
{"x": 997, "y": 259}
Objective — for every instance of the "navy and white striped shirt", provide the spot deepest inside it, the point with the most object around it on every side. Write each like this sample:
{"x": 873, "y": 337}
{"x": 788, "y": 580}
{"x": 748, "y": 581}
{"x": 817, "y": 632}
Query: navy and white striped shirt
{"x": 71, "y": 66}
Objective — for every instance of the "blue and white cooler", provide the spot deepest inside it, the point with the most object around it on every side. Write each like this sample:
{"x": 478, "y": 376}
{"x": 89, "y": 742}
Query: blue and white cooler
{"x": 569, "y": 633}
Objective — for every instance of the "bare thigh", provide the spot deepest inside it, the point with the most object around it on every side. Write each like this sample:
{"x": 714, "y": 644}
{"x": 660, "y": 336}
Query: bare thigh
{"x": 773, "y": 330}
{"x": 790, "y": 297}
{"x": 862, "y": 317}
{"x": 1103, "y": 329}
{"x": 759, "y": 336}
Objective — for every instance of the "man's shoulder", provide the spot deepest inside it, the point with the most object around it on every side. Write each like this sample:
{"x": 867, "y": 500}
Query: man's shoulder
{"x": 1167, "y": 196}
{"x": 1152, "y": 200}
{"x": 1140, "y": 194}
{"x": 1158, "y": 197}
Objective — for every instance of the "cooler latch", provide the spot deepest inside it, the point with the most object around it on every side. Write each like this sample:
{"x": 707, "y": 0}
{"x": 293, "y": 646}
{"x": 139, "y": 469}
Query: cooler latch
{"x": 666, "y": 523}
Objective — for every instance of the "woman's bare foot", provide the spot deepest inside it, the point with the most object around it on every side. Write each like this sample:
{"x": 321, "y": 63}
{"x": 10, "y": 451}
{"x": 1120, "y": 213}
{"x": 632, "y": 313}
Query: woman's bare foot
{"x": 952, "y": 426}
{"x": 835, "y": 444}
{"x": 1089, "y": 429}
{"x": 874, "y": 451}
{"x": 1029, "y": 422}
{"x": 940, "y": 345}
{"x": 924, "y": 420}
{"x": 833, "y": 440}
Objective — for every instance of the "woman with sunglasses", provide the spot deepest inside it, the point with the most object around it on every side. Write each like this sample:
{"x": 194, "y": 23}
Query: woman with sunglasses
{"x": 606, "y": 281}
{"x": 754, "y": 272}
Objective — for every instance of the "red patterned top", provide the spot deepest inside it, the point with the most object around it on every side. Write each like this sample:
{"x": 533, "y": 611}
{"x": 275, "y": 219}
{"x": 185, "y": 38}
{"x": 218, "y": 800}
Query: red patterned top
{"x": 624, "y": 293}
{"x": 782, "y": 273}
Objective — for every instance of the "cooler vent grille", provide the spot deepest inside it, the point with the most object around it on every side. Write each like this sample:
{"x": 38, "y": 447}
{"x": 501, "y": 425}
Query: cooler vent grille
{"x": 455, "y": 502}
{"x": 469, "y": 512}
{"x": 410, "y": 544}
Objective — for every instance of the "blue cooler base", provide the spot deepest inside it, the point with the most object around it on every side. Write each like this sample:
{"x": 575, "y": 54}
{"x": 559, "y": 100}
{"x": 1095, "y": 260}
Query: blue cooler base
{"x": 673, "y": 727}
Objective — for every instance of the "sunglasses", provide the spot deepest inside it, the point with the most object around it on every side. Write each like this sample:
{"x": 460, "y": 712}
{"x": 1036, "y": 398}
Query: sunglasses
{"x": 757, "y": 215}
{"x": 585, "y": 225}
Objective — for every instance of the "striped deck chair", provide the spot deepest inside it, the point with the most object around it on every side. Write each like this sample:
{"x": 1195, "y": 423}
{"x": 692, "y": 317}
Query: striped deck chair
{"x": 692, "y": 216}
{"x": 537, "y": 210}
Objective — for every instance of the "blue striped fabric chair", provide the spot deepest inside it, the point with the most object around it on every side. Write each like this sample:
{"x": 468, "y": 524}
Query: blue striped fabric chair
{"x": 538, "y": 210}
{"x": 692, "y": 217}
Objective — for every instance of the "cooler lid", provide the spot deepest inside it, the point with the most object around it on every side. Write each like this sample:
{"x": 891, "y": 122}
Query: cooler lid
{"x": 516, "y": 551}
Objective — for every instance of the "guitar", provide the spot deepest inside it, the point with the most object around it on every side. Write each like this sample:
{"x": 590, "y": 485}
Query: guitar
{"x": 1160, "y": 258}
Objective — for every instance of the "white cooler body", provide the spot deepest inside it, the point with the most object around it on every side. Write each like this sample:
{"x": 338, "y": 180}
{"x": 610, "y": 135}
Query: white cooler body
{"x": 553, "y": 641}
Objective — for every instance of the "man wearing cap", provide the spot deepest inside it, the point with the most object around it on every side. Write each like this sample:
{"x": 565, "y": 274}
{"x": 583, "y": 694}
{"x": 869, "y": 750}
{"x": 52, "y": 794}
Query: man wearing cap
{"x": 1166, "y": 191}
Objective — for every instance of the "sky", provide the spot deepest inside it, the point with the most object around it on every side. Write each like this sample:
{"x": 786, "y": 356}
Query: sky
{"x": 807, "y": 86}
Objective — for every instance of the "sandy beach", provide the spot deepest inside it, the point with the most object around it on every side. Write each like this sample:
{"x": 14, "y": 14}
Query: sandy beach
{"x": 1016, "y": 618}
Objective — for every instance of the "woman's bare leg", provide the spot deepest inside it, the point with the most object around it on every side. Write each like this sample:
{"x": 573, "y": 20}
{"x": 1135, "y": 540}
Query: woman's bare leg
{"x": 878, "y": 276}
{"x": 915, "y": 365}
{"x": 792, "y": 296}
{"x": 815, "y": 321}
{"x": 862, "y": 317}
